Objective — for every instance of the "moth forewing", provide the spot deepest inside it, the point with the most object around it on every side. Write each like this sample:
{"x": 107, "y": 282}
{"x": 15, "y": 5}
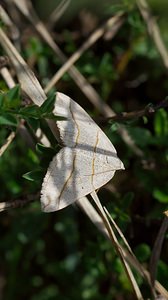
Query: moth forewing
{"x": 88, "y": 161}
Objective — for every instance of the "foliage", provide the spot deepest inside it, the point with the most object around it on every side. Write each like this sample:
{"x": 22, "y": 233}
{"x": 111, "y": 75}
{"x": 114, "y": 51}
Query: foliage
{"x": 61, "y": 255}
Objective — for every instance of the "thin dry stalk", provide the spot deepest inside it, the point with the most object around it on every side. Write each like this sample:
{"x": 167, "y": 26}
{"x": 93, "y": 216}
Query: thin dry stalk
{"x": 16, "y": 204}
{"x": 128, "y": 248}
{"x": 22, "y": 130}
{"x": 58, "y": 12}
{"x": 98, "y": 222}
{"x": 117, "y": 247}
{"x": 29, "y": 83}
{"x": 126, "y": 116}
{"x": 157, "y": 249}
{"x": 118, "y": 230}
{"x": 7, "y": 77}
{"x": 27, "y": 79}
{"x": 7, "y": 20}
{"x": 153, "y": 30}
{"x": 7, "y": 143}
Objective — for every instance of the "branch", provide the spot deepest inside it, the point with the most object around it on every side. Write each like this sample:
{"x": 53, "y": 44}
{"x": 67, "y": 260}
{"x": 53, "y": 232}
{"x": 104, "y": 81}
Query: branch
{"x": 16, "y": 203}
{"x": 126, "y": 116}
{"x": 157, "y": 249}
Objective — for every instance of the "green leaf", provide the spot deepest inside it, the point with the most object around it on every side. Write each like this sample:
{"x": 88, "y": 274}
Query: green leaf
{"x": 53, "y": 117}
{"x": 35, "y": 175}
{"x": 31, "y": 111}
{"x": 143, "y": 252}
{"x": 13, "y": 97}
{"x": 40, "y": 148}
{"x": 42, "y": 112}
{"x": 1, "y": 101}
{"x": 161, "y": 123}
{"x": 8, "y": 120}
{"x": 114, "y": 127}
{"x": 141, "y": 136}
{"x": 127, "y": 200}
{"x": 33, "y": 123}
{"x": 10, "y": 99}
{"x": 145, "y": 120}
{"x": 162, "y": 272}
{"x": 48, "y": 105}
{"x": 161, "y": 196}
{"x": 45, "y": 150}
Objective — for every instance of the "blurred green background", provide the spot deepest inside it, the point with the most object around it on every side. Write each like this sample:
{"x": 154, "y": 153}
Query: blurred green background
{"x": 62, "y": 255}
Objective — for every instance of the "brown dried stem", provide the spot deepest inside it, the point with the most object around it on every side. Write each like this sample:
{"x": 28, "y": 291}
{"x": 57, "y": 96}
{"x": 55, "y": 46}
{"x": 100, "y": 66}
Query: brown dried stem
{"x": 16, "y": 203}
{"x": 7, "y": 143}
{"x": 126, "y": 116}
{"x": 157, "y": 249}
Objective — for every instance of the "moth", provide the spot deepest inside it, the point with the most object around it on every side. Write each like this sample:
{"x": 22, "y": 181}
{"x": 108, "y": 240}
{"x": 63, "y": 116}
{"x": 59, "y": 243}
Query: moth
{"x": 87, "y": 161}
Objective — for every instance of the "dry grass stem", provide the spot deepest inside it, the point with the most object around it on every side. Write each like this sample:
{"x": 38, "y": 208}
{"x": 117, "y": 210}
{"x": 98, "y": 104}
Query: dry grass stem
{"x": 117, "y": 247}
{"x": 27, "y": 79}
{"x": 58, "y": 12}
{"x": 7, "y": 77}
{"x": 7, "y": 143}
{"x": 157, "y": 249}
{"x": 118, "y": 230}
{"x": 153, "y": 30}
{"x": 129, "y": 249}
{"x": 99, "y": 223}
{"x": 14, "y": 32}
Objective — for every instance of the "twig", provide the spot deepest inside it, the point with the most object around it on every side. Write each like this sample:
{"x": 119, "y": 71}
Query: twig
{"x": 153, "y": 30}
{"x": 126, "y": 116}
{"x": 16, "y": 203}
{"x": 4, "y": 61}
{"x": 8, "y": 142}
{"x": 157, "y": 249}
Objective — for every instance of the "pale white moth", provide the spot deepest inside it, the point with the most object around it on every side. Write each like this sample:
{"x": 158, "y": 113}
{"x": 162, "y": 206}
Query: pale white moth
{"x": 87, "y": 161}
